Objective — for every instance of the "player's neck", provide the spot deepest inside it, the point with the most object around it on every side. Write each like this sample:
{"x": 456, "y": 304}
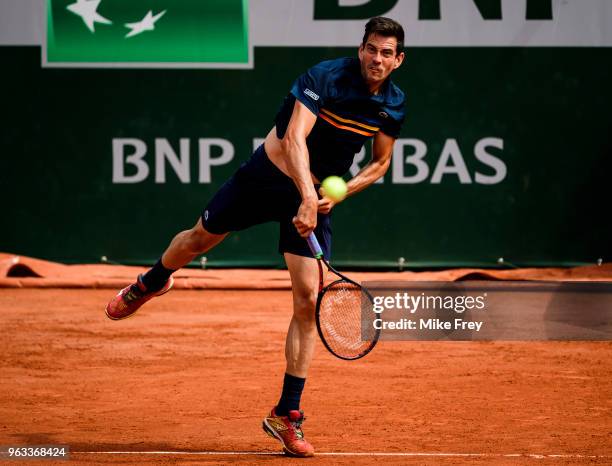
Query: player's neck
{"x": 375, "y": 88}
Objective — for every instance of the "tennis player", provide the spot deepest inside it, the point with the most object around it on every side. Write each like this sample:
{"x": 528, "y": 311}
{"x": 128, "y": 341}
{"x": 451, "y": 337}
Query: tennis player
{"x": 330, "y": 112}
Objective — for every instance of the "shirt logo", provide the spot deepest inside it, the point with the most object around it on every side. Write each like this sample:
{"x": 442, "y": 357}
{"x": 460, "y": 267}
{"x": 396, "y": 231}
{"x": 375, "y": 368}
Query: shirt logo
{"x": 383, "y": 114}
{"x": 311, "y": 94}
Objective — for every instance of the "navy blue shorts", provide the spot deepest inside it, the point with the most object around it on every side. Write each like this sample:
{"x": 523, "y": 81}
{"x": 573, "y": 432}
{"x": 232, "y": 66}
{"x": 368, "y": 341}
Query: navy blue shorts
{"x": 257, "y": 193}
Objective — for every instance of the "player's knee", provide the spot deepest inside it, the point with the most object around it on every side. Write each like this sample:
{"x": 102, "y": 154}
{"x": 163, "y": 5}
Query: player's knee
{"x": 304, "y": 303}
{"x": 197, "y": 239}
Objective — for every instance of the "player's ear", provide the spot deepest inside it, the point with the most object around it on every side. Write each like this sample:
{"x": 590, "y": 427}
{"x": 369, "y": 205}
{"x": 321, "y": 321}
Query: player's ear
{"x": 399, "y": 59}
{"x": 360, "y": 51}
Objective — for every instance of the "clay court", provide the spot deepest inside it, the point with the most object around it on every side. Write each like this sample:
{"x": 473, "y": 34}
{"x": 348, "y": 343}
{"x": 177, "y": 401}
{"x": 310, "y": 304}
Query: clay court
{"x": 188, "y": 379}
{"x": 482, "y": 132}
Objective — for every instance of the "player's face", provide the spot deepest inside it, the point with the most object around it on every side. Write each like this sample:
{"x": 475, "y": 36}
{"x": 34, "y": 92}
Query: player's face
{"x": 378, "y": 59}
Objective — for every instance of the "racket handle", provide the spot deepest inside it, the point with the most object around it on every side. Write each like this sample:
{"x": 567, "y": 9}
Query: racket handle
{"x": 314, "y": 245}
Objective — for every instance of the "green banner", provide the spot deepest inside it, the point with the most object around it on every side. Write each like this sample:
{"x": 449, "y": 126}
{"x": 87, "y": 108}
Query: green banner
{"x": 147, "y": 31}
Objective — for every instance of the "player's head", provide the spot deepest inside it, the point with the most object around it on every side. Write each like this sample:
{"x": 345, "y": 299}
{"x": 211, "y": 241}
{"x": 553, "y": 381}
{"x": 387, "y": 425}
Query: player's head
{"x": 385, "y": 27}
{"x": 381, "y": 50}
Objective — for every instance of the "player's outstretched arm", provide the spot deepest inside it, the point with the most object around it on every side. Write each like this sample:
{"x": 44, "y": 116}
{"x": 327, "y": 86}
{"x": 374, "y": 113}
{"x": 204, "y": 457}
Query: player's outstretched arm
{"x": 298, "y": 165}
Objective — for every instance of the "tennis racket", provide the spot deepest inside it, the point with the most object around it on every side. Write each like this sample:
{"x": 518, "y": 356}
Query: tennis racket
{"x": 344, "y": 312}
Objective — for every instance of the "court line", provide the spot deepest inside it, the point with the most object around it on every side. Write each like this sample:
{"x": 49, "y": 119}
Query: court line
{"x": 400, "y": 454}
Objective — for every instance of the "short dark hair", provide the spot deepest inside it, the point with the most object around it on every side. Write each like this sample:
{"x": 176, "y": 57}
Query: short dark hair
{"x": 385, "y": 27}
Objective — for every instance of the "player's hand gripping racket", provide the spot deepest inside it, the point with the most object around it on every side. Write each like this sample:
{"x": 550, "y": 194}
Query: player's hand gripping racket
{"x": 339, "y": 312}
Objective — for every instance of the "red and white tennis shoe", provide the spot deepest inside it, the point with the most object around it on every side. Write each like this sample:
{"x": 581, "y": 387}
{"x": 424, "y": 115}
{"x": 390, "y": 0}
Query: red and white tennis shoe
{"x": 129, "y": 299}
{"x": 288, "y": 431}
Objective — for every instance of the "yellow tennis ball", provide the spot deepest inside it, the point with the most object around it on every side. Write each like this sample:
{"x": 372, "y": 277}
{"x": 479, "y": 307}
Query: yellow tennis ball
{"x": 334, "y": 188}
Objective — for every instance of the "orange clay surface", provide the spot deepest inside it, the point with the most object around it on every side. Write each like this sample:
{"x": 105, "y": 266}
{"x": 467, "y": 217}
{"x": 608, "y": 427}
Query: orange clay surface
{"x": 196, "y": 370}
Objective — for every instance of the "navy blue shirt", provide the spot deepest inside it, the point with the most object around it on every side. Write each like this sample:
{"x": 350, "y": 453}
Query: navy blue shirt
{"x": 347, "y": 114}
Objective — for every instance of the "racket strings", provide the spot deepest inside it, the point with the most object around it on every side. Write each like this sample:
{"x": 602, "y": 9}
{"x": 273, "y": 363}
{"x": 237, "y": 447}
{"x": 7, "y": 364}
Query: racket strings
{"x": 346, "y": 319}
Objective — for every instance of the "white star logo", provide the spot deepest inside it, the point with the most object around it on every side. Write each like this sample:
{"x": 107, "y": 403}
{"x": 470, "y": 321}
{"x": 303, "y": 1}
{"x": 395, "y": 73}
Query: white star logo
{"x": 145, "y": 24}
{"x": 86, "y": 9}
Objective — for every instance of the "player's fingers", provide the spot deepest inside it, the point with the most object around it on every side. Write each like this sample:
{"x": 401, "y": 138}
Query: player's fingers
{"x": 325, "y": 205}
{"x": 302, "y": 228}
{"x": 303, "y": 231}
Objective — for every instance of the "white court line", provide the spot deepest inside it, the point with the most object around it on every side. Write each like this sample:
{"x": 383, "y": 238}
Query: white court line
{"x": 413, "y": 454}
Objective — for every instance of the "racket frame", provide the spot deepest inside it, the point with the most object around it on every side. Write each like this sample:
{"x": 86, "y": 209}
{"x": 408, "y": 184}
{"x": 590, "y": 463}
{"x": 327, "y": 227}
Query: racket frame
{"x": 318, "y": 254}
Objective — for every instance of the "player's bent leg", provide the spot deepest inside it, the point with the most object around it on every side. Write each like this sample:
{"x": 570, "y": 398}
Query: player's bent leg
{"x": 189, "y": 244}
{"x": 183, "y": 248}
